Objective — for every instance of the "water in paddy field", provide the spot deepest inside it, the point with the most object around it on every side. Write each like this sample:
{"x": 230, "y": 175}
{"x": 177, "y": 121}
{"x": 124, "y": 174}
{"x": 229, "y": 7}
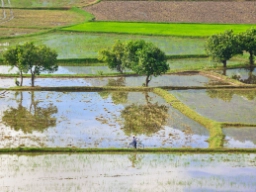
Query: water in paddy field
{"x": 128, "y": 172}
{"x": 96, "y": 120}
{"x": 244, "y": 75}
{"x": 164, "y": 80}
{"x": 225, "y": 105}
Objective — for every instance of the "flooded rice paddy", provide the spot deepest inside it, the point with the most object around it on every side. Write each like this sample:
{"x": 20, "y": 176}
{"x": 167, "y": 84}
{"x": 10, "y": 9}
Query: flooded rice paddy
{"x": 99, "y": 120}
{"x": 221, "y": 105}
{"x": 96, "y": 120}
{"x": 128, "y": 172}
{"x": 164, "y": 80}
{"x": 244, "y": 75}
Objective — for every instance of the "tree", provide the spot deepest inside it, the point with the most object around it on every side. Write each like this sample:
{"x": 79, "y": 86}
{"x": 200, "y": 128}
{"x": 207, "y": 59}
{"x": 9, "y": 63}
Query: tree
{"x": 13, "y": 57}
{"x": 33, "y": 59}
{"x": 114, "y": 56}
{"x": 247, "y": 41}
{"x": 145, "y": 59}
{"x": 221, "y": 47}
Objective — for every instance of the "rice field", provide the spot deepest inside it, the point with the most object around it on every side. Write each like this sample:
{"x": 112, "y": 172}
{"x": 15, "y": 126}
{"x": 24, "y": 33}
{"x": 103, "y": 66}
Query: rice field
{"x": 221, "y": 105}
{"x": 57, "y": 119}
{"x": 166, "y": 29}
{"x": 48, "y": 3}
{"x": 130, "y": 81}
{"x": 42, "y": 19}
{"x": 128, "y": 172}
{"x": 87, "y": 45}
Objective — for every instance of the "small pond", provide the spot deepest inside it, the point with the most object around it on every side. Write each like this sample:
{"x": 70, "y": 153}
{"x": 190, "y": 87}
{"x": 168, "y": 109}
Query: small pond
{"x": 128, "y": 172}
{"x": 221, "y": 105}
{"x": 94, "y": 119}
{"x": 164, "y": 80}
{"x": 247, "y": 76}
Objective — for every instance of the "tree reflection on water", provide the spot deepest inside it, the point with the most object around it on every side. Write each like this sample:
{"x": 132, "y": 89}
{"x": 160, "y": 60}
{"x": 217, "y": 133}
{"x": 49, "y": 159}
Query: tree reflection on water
{"x": 117, "y": 97}
{"x": 144, "y": 119}
{"x": 33, "y": 118}
{"x": 227, "y": 95}
{"x": 251, "y": 77}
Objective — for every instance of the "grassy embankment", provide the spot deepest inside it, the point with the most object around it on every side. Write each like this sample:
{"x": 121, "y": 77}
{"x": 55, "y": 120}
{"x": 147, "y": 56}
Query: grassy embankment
{"x": 28, "y": 150}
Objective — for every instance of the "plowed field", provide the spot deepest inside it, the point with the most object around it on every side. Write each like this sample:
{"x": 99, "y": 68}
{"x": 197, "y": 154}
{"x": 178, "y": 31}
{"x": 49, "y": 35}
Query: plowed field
{"x": 175, "y": 11}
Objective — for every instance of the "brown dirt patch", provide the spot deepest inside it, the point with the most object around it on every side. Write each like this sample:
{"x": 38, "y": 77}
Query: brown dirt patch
{"x": 9, "y": 32}
{"x": 40, "y": 18}
{"x": 175, "y": 11}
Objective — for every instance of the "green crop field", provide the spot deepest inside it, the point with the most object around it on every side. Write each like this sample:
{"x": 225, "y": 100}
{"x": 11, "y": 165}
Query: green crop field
{"x": 170, "y": 29}
{"x": 87, "y": 45}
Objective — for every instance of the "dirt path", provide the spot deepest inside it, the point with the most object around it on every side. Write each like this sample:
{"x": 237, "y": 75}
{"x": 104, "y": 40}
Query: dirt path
{"x": 175, "y": 11}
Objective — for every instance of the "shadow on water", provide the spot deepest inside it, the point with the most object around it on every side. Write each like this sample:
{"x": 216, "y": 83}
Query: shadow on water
{"x": 33, "y": 118}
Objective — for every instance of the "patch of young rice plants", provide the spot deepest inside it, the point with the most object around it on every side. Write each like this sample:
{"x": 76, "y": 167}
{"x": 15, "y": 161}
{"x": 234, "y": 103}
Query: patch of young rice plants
{"x": 167, "y": 29}
{"x": 237, "y": 106}
{"x": 128, "y": 172}
{"x": 84, "y": 45}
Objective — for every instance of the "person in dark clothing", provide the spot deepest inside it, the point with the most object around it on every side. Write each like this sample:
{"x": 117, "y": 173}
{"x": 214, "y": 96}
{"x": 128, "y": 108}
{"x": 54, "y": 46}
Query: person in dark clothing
{"x": 134, "y": 142}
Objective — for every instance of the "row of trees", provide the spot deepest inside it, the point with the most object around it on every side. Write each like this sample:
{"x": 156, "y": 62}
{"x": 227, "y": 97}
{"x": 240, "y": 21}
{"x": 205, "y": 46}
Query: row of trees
{"x": 141, "y": 57}
{"x": 32, "y": 59}
{"x": 222, "y": 47}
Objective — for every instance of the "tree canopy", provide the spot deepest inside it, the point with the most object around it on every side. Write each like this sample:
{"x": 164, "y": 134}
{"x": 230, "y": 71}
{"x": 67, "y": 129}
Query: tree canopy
{"x": 141, "y": 57}
{"x": 247, "y": 41}
{"x": 31, "y": 58}
{"x": 221, "y": 47}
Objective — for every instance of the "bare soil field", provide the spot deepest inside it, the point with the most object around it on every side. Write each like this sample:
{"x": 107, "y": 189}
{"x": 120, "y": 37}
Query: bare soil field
{"x": 40, "y": 18}
{"x": 176, "y": 11}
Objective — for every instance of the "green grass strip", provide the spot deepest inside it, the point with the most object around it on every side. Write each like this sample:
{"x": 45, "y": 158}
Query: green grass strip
{"x": 214, "y": 127}
{"x": 170, "y": 29}
{"x": 25, "y": 150}
{"x": 231, "y": 124}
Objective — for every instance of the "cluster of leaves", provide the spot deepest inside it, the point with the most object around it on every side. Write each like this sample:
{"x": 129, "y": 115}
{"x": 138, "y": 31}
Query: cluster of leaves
{"x": 224, "y": 46}
{"x": 141, "y": 57}
{"x": 31, "y": 58}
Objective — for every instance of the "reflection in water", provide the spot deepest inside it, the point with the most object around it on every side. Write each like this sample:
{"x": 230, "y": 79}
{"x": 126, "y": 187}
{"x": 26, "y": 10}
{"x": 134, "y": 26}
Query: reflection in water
{"x": 35, "y": 118}
{"x": 117, "y": 97}
{"x": 135, "y": 159}
{"x": 144, "y": 119}
{"x": 250, "y": 79}
{"x": 228, "y": 95}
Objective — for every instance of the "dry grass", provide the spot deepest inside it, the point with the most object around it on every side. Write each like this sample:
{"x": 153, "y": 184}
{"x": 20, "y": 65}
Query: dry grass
{"x": 42, "y": 18}
{"x": 176, "y": 11}
{"x": 10, "y": 32}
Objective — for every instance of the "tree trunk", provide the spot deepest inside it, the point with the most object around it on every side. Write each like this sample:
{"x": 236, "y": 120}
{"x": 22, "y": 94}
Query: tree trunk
{"x": 224, "y": 71}
{"x": 224, "y": 63}
{"x": 147, "y": 80}
{"x": 32, "y": 79}
{"x": 251, "y": 58}
{"x": 21, "y": 78}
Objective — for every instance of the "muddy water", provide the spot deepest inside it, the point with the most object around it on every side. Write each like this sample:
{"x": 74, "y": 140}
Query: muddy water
{"x": 94, "y": 119}
{"x": 128, "y": 172}
{"x": 164, "y": 80}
